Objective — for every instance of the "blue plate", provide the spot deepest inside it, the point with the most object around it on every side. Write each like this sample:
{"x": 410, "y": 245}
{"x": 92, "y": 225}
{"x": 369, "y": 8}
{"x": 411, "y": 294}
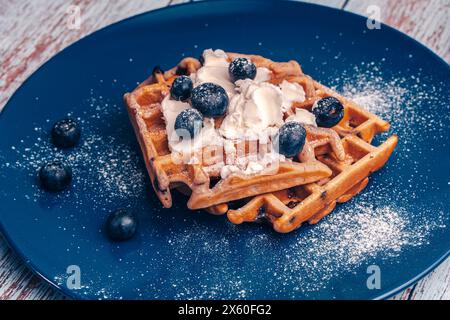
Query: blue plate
{"x": 371, "y": 247}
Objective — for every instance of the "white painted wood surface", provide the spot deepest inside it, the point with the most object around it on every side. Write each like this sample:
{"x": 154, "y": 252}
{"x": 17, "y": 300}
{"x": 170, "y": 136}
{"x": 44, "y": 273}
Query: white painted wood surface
{"x": 32, "y": 31}
{"x": 425, "y": 20}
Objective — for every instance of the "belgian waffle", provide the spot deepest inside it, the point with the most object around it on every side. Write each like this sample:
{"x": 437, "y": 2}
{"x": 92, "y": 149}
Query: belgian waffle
{"x": 333, "y": 166}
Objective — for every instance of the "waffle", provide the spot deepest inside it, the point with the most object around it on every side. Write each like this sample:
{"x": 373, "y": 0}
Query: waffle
{"x": 333, "y": 166}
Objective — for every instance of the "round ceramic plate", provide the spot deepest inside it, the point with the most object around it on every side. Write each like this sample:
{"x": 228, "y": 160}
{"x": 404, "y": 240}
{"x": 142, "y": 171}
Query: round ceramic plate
{"x": 385, "y": 239}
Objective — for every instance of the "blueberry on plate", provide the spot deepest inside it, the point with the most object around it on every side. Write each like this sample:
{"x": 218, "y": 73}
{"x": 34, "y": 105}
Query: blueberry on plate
{"x": 121, "y": 225}
{"x": 328, "y": 111}
{"x": 210, "y": 99}
{"x": 66, "y": 133}
{"x": 242, "y": 68}
{"x": 55, "y": 176}
{"x": 188, "y": 121}
{"x": 290, "y": 139}
{"x": 181, "y": 88}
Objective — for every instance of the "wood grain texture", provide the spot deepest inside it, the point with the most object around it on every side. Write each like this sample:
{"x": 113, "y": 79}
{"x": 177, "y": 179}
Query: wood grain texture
{"x": 32, "y": 31}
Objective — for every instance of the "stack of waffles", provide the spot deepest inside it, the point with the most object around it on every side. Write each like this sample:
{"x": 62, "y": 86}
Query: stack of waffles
{"x": 333, "y": 166}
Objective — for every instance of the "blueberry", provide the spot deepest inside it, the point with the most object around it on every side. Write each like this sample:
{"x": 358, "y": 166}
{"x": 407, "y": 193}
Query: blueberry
{"x": 290, "y": 139}
{"x": 55, "y": 176}
{"x": 328, "y": 111}
{"x": 190, "y": 120}
{"x": 66, "y": 133}
{"x": 121, "y": 225}
{"x": 242, "y": 68}
{"x": 181, "y": 88}
{"x": 210, "y": 99}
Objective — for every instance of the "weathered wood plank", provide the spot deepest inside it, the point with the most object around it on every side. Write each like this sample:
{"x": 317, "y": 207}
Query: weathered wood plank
{"x": 435, "y": 286}
{"x": 328, "y": 3}
{"x": 31, "y": 32}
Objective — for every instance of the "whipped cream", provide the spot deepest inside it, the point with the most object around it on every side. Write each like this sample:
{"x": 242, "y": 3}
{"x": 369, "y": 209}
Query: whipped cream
{"x": 255, "y": 113}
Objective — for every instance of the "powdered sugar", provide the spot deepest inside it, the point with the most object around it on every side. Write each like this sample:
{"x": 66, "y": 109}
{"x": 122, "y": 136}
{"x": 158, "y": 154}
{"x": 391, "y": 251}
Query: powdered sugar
{"x": 378, "y": 225}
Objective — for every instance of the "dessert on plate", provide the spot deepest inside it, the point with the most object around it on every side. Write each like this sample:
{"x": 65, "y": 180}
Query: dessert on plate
{"x": 254, "y": 139}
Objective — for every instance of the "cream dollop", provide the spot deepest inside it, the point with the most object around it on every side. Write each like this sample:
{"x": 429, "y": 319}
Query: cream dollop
{"x": 255, "y": 113}
{"x": 303, "y": 116}
{"x": 252, "y": 164}
{"x": 208, "y": 135}
{"x": 255, "y": 108}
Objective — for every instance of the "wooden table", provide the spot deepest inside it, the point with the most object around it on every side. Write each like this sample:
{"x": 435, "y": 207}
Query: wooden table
{"x": 32, "y": 31}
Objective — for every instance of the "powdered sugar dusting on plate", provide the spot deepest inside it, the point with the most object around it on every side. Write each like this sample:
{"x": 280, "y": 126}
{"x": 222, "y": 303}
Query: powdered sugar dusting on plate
{"x": 100, "y": 162}
{"x": 395, "y": 99}
{"x": 197, "y": 256}
{"x": 304, "y": 261}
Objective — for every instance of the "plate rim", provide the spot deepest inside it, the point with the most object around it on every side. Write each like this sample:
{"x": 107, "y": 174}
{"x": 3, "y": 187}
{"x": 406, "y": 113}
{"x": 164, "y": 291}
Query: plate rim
{"x": 74, "y": 294}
